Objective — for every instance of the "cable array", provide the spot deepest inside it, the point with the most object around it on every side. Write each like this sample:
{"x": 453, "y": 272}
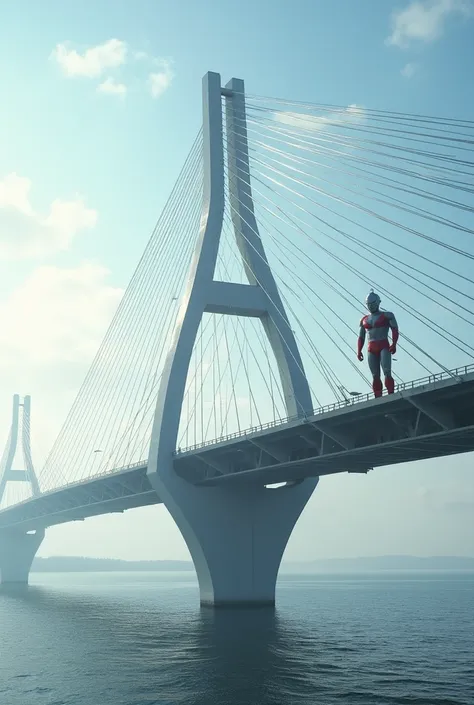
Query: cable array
{"x": 335, "y": 225}
{"x": 349, "y": 199}
{"x": 233, "y": 381}
{"x": 109, "y": 425}
{"x": 346, "y": 200}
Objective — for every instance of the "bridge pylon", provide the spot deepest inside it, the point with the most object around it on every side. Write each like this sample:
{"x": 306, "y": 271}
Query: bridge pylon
{"x": 236, "y": 536}
{"x": 18, "y": 548}
{"x": 20, "y": 434}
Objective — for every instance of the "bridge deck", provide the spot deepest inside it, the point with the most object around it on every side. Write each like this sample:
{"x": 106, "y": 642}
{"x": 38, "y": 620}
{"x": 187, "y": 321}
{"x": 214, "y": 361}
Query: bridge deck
{"x": 422, "y": 420}
{"x": 106, "y": 494}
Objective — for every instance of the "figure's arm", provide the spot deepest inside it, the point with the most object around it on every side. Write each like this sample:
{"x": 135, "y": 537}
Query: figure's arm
{"x": 395, "y": 332}
{"x": 360, "y": 342}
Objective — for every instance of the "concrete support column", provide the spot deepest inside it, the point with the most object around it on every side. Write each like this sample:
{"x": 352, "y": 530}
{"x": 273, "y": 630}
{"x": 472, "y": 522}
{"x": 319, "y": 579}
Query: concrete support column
{"x": 236, "y": 536}
{"x": 17, "y": 551}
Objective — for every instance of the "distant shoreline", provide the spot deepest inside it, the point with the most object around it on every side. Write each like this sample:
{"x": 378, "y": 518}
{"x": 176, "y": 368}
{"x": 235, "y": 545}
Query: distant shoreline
{"x": 73, "y": 564}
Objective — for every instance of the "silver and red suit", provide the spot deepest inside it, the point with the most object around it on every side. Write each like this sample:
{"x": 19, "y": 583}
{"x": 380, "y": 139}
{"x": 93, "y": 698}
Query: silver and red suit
{"x": 376, "y": 325}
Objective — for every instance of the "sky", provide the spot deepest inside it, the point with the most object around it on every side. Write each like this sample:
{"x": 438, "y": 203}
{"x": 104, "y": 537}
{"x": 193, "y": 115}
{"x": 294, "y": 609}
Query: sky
{"x": 101, "y": 105}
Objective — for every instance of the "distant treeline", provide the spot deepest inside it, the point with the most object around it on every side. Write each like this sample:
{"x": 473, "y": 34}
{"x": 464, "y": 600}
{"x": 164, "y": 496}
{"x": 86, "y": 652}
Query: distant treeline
{"x": 67, "y": 564}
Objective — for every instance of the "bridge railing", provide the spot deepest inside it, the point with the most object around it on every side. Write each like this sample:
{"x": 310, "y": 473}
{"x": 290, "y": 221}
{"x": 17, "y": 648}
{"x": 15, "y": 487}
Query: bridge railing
{"x": 456, "y": 374}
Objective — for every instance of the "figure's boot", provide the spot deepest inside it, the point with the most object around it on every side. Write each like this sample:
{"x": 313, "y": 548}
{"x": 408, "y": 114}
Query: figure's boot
{"x": 390, "y": 384}
{"x": 377, "y": 386}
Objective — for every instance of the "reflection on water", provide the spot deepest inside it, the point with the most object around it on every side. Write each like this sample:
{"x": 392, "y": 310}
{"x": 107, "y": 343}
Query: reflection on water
{"x": 138, "y": 640}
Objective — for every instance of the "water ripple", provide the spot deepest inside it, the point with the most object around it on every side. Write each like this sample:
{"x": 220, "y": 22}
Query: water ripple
{"x": 141, "y": 640}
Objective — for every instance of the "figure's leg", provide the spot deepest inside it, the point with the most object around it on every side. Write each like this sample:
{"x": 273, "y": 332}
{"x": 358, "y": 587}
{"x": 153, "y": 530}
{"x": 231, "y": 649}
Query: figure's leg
{"x": 386, "y": 360}
{"x": 374, "y": 365}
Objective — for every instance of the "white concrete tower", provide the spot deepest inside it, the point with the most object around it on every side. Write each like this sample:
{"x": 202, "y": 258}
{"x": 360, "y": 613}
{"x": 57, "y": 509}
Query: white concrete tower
{"x": 236, "y": 536}
{"x": 18, "y": 548}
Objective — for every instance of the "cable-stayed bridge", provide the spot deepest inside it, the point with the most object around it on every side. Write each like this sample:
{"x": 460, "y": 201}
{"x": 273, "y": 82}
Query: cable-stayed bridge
{"x": 230, "y": 365}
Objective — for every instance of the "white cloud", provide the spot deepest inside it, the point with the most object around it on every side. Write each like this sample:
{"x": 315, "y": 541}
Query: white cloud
{"x": 26, "y": 233}
{"x": 113, "y": 54}
{"x": 112, "y": 87}
{"x": 424, "y": 20}
{"x": 93, "y": 61}
{"x": 57, "y": 315}
{"x": 52, "y": 325}
{"x": 15, "y": 193}
{"x": 304, "y": 121}
{"x": 160, "y": 81}
{"x": 409, "y": 70}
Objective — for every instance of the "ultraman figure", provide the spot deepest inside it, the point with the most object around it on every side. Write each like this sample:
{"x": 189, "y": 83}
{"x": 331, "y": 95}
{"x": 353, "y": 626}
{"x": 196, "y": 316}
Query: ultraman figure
{"x": 376, "y": 326}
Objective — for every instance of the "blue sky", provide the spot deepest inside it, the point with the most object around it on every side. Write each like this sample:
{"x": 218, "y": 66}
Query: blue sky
{"x": 109, "y": 157}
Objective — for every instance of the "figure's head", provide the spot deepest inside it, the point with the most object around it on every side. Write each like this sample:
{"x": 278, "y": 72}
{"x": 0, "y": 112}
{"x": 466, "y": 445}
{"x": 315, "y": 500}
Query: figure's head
{"x": 373, "y": 302}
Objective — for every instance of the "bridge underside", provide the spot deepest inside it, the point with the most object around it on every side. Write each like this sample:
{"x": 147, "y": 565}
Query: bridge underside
{"x": 424, "y": 422}
{"x": 103, "y": 495}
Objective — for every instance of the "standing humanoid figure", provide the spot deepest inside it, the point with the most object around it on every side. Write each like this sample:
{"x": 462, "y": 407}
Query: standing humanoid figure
{"x": 376, "y": 325}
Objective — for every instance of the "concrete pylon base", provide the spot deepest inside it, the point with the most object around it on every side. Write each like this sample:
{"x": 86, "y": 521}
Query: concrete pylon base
{"x": 17, "y": 551}
{"x": 236, "y": 537}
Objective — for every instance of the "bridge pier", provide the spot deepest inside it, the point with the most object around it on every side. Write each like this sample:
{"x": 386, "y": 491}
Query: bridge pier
{"x": 236, "y": 536}
{"x": 17, "y": 551}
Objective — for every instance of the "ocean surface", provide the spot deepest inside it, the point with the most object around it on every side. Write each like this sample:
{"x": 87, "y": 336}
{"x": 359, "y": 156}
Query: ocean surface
{"x": 141, "y": 639}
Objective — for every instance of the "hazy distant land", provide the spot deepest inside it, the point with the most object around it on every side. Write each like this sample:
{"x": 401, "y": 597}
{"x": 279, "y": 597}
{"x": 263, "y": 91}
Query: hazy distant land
{"x": 67, "y": 564}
